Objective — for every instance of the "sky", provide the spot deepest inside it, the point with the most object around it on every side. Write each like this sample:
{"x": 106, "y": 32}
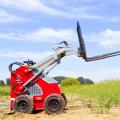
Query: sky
{"x": 29, "y": 29}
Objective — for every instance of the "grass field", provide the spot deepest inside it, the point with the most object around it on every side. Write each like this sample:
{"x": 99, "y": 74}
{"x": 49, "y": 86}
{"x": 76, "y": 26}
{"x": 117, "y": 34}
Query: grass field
{"x": 4, "y": 90}
{"x": 98, "y": 97}
{"x": 103, "y": 90}
{"x": 100, "y": 91}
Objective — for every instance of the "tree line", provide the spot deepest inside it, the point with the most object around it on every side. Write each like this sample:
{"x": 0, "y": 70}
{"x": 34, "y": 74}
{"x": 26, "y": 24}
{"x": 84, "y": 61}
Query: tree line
{"x": 81, "y": 80}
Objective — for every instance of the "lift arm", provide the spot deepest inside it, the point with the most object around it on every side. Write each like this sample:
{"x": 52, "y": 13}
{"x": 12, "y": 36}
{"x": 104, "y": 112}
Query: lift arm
{"x": 67, "y": 50}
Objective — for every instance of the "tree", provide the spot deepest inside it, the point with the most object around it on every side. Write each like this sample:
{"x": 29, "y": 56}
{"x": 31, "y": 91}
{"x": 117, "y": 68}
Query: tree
{"x": 8, "y": 81}
{"x": 88, "y": 81}
{"x": 59, "y": 78}
{"x": 85, "y": 81}
{"x": 81, "y": 80}
{"x": 2, "y": 83}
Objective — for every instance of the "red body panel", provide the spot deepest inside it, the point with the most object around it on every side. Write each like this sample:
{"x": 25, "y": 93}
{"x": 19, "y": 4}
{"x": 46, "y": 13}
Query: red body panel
{"x": 24, "y": 75}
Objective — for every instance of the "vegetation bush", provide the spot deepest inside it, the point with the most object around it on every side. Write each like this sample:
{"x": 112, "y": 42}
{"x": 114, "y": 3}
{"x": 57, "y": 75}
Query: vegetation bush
{"x": 2, "y": 83}
{"x": 70, "y": 82}
{"x": 100, "y": 105}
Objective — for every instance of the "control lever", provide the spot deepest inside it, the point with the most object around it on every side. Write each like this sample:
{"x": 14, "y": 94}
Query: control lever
{"x": 29, "y": 62}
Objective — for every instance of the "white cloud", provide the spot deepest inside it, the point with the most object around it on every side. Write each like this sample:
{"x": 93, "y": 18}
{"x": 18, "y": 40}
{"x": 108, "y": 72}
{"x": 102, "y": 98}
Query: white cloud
{"x": 31, "y": 5}
{"x": 39, "y": 7}
{"x": 7, "y": 17}
{"x": 107, "y": 38}
{"x": 25, "y": 54}
{"x": 42, "y": 35}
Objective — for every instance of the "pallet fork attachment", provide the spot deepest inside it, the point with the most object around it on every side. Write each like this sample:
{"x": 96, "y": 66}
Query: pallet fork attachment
{"x": 82, "y": 49}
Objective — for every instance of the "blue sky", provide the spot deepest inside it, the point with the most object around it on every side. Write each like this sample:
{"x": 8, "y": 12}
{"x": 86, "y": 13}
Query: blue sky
{"x": 30, "y": 28}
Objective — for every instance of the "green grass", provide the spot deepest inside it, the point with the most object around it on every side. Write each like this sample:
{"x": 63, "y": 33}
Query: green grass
{"x": 4, "y": 90}
{"x": 98, "y": 97}
{"x": 104, "y": 90}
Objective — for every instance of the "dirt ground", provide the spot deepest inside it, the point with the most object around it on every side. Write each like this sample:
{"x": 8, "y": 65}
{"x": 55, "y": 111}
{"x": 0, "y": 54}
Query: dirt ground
{"x": 74, "y": 111}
